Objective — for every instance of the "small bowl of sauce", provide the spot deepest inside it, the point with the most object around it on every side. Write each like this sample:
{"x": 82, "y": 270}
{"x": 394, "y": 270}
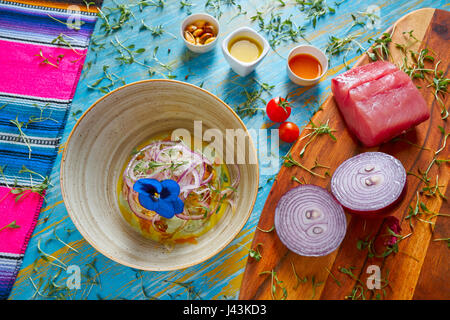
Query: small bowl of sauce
{"x": 244, "y": 49}
{"x": 306, "y": 65}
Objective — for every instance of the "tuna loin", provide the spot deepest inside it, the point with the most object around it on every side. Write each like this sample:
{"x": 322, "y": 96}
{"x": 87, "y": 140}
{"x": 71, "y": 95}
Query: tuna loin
{"x": 378, "y": 102}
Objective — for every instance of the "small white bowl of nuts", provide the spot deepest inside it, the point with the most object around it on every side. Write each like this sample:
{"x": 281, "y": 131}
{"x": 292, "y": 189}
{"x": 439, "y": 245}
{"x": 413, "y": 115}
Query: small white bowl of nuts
{"x": 199, "y": 32}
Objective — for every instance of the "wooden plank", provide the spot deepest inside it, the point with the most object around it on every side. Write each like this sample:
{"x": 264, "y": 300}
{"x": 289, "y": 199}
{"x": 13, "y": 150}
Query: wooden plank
{"x": 405, "y": 268}
{"x": 435, "y": 269}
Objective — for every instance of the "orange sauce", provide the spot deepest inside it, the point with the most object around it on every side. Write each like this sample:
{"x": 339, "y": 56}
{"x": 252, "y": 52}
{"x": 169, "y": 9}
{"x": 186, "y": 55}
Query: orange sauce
{"x": 305, "y": 66}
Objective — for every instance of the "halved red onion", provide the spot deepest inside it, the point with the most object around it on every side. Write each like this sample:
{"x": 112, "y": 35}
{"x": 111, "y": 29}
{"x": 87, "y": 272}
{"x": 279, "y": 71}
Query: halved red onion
{"x": 368, "y": 182}
{"x": 309, "y": 221}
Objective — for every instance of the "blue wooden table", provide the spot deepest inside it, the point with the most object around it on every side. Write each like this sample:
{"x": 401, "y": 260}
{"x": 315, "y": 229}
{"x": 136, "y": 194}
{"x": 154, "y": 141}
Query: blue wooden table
{"x": 220, "y": 276}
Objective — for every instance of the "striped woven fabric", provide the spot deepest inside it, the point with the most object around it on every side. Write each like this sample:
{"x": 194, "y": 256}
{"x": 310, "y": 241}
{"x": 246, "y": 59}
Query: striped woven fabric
{"x": 43, "y": 45}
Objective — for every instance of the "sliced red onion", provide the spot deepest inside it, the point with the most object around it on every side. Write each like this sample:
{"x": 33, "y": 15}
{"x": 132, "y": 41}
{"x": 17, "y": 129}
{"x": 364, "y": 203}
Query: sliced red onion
{"x": 134, "y": 209}
{"x": 368, "y": 182}
{"x": 309, "y": 221}
{"x": 236, "y": 173}
{"x": 190, "y": 176}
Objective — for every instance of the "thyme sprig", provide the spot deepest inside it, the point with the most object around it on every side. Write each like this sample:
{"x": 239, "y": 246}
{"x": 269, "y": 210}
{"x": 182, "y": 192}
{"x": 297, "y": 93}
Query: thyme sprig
{"x": 74, "y": 25}
{"x": 440, "y": 84}
{"x": 186, "y": 4}
{"x": 369, "y": 244}
{"x": 49, "y": 258}
{"x": 252, "y": 99}
{"x": 57, "y": 238}
{"x": 380, "y": 47}
{"x": 11, "y": 225}
{"x": 294, "y": 178}
{"x": 434, "y": 190}
{"x": 334, "y": 278}
{"x": 318, "y": 165}
{"x": 343, "y": 45}
{"x": 61, "y": 40}
{"x": 39, "y": 188}
{"x": 160, "y": 65}
{"x": 240, "y": 12}
{"x": 41, "y": 118}
{"x": 20, "y": 125}
{"x": 127, "y": 54}
{"x": 435, "y": 159}
{"x": 216, "y": 7}
{"x": 279, "y": 29}
{"x": 317, "y": 130}
{"x": 290, "y": 162}
{"x": 192, "y": 293}
{"x": 275, "y": 284}
{"x": 349, "y": 271}
{"x": 417, "y": 69}
{"x": 156, "y": 31}
{"x": 109, "y": 76}
{"x": 362, "y": 18}
{"x": 46, "y": 60}
{"x": 421, "y": 213}
{"x": 357, "y": 293}
{"x": 315, "y": 9}
{"x": 114, "y": 18}
{"x": 314, "y": 285}
{"x": 444, "y": 239}
{"x": 254, "y": 253}
{"x": 297, "y": 277}
{"x": 266, "y": 231}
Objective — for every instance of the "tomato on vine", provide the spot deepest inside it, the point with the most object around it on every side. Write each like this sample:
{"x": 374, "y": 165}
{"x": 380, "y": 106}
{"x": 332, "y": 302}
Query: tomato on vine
{"x": 278, "y": 109}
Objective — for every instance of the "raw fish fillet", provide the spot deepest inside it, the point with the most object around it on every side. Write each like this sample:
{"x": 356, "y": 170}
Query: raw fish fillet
{"x": 378, "y": 102}
{"x": 342, "y": 84}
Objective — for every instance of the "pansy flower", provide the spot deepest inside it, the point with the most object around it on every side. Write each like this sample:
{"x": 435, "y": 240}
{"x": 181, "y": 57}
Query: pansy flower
{"x": 160, "y": 197}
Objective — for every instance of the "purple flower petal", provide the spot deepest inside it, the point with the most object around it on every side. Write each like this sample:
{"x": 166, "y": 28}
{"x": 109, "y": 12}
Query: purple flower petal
{"x": 170, "y": 189}
{"x": 150, "y": 186}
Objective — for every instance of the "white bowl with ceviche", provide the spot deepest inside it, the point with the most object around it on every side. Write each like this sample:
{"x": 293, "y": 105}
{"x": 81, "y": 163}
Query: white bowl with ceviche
{"x": 151, "y": 180}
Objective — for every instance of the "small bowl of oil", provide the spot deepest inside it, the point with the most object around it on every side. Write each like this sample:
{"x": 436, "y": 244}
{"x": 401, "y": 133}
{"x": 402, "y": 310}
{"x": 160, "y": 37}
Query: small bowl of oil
{"x": 244, "y": 49}
{"x": 306, "y": 65}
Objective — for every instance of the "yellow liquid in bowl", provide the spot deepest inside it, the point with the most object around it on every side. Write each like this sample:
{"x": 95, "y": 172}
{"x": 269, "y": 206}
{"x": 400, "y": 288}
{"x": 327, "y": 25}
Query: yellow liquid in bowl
{"x": 178, "y": 230}
{"x": 245, "y": 49}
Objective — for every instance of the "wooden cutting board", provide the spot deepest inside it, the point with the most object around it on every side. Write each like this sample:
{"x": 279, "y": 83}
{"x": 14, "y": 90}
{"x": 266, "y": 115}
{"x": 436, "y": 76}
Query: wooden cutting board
{"x": 420, "y": 268}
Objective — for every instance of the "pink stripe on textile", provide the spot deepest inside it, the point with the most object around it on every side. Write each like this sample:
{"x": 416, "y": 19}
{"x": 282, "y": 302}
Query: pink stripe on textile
{"x": 23, "y": 72}
{"x": 25, "y": 212}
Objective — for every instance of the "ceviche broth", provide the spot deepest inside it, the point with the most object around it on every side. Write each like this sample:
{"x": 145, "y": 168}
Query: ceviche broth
{"x": 205, "y": 200}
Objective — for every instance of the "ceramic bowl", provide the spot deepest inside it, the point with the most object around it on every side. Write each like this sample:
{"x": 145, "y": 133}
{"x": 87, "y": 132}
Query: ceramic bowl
{"x": 98, "y": 148}
{"x": 315, "y": 52}
{"x": 196, "y": 17}
{"x": 244, "y": 68}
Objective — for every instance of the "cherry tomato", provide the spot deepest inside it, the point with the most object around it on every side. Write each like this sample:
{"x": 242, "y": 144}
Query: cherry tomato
{"x": 289, "y": 132}
{"x": 278, "y": 109}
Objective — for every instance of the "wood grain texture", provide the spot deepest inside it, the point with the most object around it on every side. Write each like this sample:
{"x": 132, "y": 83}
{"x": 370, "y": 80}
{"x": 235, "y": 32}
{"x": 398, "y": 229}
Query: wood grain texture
{"x": 419, "y": 259}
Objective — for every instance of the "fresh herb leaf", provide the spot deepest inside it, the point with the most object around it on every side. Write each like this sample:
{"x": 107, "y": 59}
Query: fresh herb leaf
{"x": 316, "y": 131}
{"x": 276, "y": 283}
{"x": 290, "y": 162}
{"x": 11, "y": 225}
{"x": 266, "y": 231}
